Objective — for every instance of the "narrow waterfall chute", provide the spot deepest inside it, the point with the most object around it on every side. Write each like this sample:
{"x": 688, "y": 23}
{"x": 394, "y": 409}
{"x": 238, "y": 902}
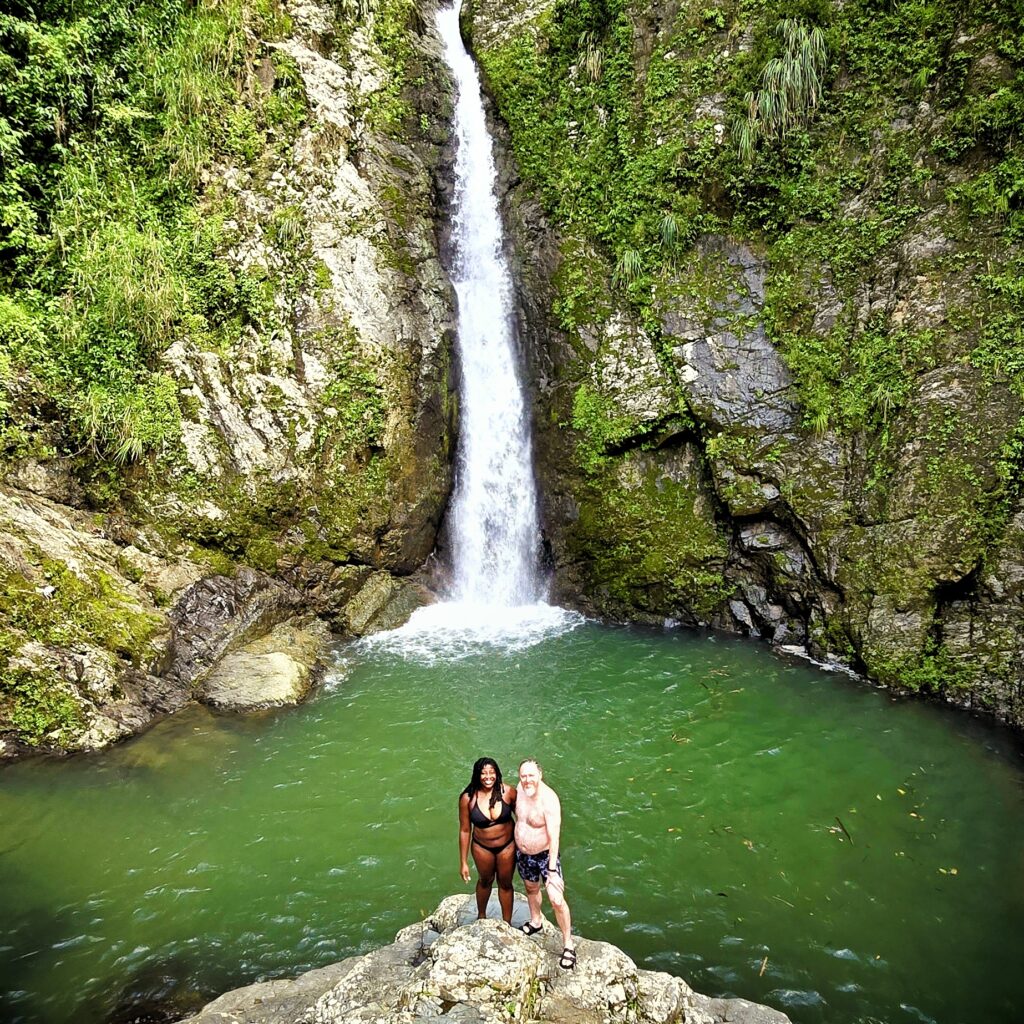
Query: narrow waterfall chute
{"x": 493, "y": 522}
{"x": 497, "y": 590}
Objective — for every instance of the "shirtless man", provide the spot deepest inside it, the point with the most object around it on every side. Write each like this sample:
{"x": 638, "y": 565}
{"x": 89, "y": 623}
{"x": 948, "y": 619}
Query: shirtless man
{"x": 538, "y": 832}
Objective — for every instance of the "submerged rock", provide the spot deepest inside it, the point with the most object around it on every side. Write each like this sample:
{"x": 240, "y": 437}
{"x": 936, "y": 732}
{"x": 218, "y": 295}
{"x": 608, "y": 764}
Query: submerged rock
{"x": 453, "y": 966}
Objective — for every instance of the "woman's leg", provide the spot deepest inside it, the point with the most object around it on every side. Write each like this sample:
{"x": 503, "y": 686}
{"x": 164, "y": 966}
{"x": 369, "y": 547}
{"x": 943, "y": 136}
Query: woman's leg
{"x": 506, "y": 871}
{"x": 486, "y": 863}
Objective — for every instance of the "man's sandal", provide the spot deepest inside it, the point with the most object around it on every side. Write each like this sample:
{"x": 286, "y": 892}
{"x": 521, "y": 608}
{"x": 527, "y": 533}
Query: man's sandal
{"x": 567, "y": 961}
{"x": 531, "y": 929}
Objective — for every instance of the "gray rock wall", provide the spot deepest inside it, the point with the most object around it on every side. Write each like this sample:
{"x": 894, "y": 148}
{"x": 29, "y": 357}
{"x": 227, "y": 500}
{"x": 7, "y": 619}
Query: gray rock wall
{"x": 314, "y": 459}
{"x": 686, "y": 471}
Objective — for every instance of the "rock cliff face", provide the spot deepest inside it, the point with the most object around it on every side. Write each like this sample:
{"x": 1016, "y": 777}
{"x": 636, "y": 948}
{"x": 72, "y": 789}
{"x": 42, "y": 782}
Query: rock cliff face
{"x": 312, "y": 460}
{"x": 776, "y": 384}
{"x": 454, "y": 967}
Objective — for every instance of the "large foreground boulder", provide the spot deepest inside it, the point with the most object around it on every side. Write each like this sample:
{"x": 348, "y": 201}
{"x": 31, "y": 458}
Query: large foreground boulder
{"x": 480, "y": 972}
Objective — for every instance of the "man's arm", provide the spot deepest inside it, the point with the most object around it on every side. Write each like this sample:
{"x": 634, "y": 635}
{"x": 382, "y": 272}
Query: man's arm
{"x": 553, "y": 823}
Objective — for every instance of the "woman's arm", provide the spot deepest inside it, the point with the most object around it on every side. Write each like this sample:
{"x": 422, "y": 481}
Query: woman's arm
{"x": 510, "y": 796}
{"x": 464, "y": 836}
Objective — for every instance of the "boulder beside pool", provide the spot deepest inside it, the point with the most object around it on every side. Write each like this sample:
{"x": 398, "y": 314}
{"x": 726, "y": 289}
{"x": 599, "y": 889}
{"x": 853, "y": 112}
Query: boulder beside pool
{"x": 481, "y": 972}
{"x": 276, "y": 669}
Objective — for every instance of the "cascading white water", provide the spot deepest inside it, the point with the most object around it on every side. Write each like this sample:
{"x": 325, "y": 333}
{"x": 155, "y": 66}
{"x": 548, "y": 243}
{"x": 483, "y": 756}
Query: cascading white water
{"x": 493, "y": 518}
{"x": 496, "y": 598}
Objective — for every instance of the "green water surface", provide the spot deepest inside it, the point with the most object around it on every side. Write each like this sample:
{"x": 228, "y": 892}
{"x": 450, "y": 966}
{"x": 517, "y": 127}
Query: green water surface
{"x": 762, "y": 828}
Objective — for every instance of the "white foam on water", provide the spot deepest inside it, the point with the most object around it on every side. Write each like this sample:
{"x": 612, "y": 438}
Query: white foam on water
{"x": 454, "y": 630}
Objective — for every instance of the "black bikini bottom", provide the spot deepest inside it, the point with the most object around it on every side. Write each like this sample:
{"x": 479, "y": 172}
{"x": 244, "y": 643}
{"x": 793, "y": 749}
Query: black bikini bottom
{"x": 493, "y": 849}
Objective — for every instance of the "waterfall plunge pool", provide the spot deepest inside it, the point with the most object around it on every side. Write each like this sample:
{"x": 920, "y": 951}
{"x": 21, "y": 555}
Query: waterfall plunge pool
{"x": 703, "y": 782}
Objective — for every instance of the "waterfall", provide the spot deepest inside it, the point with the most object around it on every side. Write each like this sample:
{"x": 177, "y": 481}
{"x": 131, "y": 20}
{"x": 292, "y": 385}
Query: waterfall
{"x": 496, "y": 596}
{"x": 493, "y": 517}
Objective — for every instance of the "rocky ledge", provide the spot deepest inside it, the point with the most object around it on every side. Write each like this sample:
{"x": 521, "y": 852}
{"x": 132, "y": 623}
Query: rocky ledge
{"x": 480, "y": 972}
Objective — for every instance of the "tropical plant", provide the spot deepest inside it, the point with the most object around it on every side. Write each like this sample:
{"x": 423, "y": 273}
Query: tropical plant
{"x": 591, "y": 59}
{"x": 791, "y": 87}
{"x": 668, "y": 229}
{"x": 628, "y": 267}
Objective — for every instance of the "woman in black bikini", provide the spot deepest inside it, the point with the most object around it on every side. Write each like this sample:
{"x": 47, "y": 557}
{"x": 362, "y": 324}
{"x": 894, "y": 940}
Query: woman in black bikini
{"x": 486, "y": 826}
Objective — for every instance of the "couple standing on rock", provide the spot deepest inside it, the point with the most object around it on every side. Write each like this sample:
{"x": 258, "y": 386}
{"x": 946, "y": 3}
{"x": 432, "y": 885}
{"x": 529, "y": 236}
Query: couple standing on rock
{"x": 486, "y": 826}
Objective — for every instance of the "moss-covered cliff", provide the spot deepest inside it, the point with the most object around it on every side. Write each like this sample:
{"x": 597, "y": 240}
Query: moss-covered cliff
{"x": 771, "y": 270}
{"x": 769, "y": 259}
{"x": 225, "y": 335}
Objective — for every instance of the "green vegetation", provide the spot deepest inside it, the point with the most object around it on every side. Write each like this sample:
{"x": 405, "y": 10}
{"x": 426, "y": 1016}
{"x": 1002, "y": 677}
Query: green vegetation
{"x": 60, "y": 608}
{"x": 626, "y": 151}
{"x": 32, "y": 709}
{"x": 108, "y": 250}
{"x": 871, "y": 156}
{"x": 649, "y": 542}
{"x": 789, "y": 89}
{"x": 599, "y": 427}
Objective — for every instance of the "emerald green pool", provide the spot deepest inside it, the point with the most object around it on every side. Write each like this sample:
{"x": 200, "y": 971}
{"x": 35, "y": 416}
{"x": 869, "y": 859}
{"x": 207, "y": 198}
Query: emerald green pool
{"x": 762, "y": 828}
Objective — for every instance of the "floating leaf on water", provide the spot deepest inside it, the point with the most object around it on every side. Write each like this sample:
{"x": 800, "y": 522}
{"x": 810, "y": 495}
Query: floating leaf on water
{"x": 902, "y": 792}
{"x": 878, "y": 796}
{"x": 952, "y": 871}
{"x": 748, "y": 844}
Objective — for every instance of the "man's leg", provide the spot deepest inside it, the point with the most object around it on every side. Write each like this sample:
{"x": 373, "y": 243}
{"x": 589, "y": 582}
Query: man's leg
{"x": 556, "y": 895}
{"x": 533, "y": 898}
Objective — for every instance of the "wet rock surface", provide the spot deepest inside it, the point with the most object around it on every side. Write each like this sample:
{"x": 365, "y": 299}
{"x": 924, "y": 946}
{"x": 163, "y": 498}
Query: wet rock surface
{"x": 109, "y": 629}
{"x": 881, "y": 538}
{"x": 279, "y": 668}
{"x": 453, "y": 967}
{"x": 314, "y": 458}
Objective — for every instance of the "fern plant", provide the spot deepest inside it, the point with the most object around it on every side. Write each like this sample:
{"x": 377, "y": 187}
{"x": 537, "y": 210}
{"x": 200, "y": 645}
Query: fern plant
{"x": 790, "y": 88}
{"x": 668, "y": 228}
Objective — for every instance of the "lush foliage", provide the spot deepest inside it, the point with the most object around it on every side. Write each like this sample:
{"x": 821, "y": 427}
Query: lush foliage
{"x": 870, "y": 155}
{"x": 627, "y": 150}
{"x": 108, "y": 114}
{"x": 789, "y": 89}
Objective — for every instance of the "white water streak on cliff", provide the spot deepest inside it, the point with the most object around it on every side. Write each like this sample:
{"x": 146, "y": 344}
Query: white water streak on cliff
{"x": 493, "y": 519}
{"x": 496, "y": 600}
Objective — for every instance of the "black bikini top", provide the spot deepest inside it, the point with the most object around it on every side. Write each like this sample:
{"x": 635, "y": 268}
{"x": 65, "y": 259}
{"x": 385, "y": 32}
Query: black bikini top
{"x": 480, "y": 820}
